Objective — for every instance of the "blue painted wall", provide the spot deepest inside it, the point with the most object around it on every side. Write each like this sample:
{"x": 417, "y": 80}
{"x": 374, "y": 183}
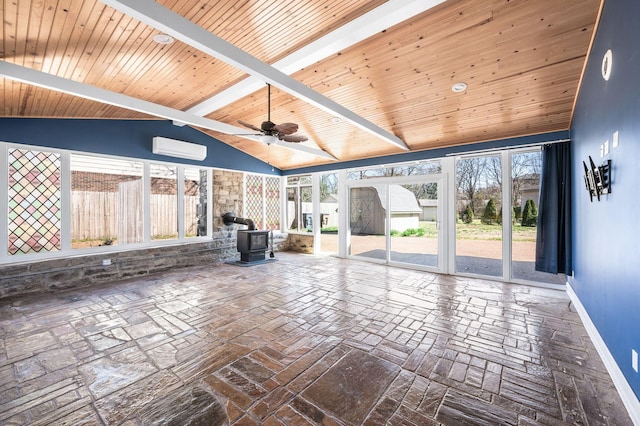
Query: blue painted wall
{"x": 133, "y": 138}
{"x": 436, "y": 153}
{"x": 127, "y": 138}
{"x": 606, "y": 234}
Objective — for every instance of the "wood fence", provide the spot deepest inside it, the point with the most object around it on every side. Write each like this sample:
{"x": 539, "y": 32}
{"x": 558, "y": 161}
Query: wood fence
{"x": 109, "y": 215}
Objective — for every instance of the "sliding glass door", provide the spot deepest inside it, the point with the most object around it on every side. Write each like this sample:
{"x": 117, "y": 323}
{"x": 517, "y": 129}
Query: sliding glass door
{"x": 469, "y": 215}
{"x": 367, "y": 222}
{"x": 414, "y": 238}
{"x": 397, "y": 222}
{"x": 478, "y": 216}
{"x": 328, "y": 213}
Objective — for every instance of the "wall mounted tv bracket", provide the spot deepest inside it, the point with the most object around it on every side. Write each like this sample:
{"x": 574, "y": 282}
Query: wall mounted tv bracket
{"x": 597, "y": 179}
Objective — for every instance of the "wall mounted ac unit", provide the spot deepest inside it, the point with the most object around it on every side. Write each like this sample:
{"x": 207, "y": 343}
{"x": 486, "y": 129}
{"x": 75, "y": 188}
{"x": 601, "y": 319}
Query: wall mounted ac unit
{"x": 176, "y": 148}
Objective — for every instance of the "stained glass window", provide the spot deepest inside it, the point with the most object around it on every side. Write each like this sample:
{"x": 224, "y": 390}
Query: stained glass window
{"x": 272, "y": 202}
{"x": 34, "y": 201}
{"x": 253, "y": 199}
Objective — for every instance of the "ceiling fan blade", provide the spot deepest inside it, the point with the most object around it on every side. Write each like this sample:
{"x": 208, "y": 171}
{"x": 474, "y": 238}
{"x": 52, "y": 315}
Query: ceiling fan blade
{"x": 251, "y": 126}
{"x": 286, "y": 128}
{"x": 294, "y": 138}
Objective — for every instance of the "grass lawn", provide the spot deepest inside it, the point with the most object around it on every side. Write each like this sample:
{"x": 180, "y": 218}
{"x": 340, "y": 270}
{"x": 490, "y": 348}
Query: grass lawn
{"x": 479, "y": 231}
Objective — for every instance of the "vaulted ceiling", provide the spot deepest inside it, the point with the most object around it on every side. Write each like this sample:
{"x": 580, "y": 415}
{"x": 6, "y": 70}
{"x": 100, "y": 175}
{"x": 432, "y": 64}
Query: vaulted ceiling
{"x": 360, "y": 78}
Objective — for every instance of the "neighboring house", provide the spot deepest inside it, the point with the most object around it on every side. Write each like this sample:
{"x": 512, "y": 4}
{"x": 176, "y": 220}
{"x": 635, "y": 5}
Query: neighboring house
{"x": 429, "y": 210}
{"x": 368, "y": 211}
{"x": 529, "y": 188}
{"x": 329, "y": 211}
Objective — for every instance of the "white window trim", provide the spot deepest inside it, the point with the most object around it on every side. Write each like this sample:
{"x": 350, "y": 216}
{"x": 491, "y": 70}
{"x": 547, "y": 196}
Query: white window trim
{"x": 65, "y": 224}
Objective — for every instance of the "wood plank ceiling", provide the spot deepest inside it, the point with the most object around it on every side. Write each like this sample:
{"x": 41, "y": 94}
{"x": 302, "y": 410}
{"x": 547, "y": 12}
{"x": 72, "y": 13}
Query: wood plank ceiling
{"x": 521, "y": 59}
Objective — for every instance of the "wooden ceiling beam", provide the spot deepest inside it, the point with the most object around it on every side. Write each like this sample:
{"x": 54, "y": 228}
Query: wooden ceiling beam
{"x": 59, "y": 84}
{"x": 169, "y": 22}
{"x": 389, "y": 14}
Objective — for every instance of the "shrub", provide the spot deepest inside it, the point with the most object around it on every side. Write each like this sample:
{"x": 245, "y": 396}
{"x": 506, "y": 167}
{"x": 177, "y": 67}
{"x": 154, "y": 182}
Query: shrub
{"x": 517, "y": 211}
{"x": 490, "y": 214}
{"x": 413, "y": 232}
{"x": 530, "y": 214}
{"x": 467, "y": 214}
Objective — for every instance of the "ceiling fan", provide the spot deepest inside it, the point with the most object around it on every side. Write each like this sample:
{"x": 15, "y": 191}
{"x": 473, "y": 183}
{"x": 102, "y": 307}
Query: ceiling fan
{"x": 270, "y": 132}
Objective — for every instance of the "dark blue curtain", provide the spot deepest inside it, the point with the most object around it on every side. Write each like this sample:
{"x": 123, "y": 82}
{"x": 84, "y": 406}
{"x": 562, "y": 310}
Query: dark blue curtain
{"x": 553, "y": 244}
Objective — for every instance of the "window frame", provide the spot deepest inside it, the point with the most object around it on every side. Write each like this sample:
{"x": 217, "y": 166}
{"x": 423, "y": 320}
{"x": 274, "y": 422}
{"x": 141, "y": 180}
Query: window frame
{"x": 301, "y": 183}
{"x": 66, "y": 189}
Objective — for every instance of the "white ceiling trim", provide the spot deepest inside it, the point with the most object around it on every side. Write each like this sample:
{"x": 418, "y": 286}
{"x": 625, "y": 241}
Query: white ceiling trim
{"x": 371, "y": 23}
{"x": 169, "y": 22}
{"x": 59, "y": 84}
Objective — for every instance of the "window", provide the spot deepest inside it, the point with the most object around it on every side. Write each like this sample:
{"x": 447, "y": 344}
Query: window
{"x": 272, "y": 202}
{"x": 299, "y": 204}
{"x": 34, "y": 202}
{"x": 195, "y": 202}
{"x": 106, "y": 201}
{"x": 58, "y": 202}
{"x": 254, "y": 202}
{"x": 164, "y": 202}
{"x": 262, "y": 201}
{"x": 427, "y": 167}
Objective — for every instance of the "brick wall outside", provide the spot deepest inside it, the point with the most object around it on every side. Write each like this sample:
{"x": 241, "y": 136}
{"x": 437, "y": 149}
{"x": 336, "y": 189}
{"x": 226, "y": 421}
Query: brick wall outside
{"x": 106, "y": 182}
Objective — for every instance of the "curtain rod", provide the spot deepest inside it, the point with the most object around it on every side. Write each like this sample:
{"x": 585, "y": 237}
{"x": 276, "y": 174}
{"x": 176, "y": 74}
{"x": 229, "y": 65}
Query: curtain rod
{"x": 482, "y": 151}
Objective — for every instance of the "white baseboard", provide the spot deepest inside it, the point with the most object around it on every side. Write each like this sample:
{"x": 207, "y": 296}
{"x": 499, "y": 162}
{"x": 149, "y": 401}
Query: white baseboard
{"x": 627, "y": 395}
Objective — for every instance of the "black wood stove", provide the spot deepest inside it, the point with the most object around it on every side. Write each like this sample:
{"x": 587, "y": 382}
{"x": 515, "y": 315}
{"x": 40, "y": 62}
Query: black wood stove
{"x": 252, "y": 244}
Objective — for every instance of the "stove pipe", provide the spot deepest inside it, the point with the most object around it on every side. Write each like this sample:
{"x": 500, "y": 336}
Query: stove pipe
{"x": 229, "y": 218}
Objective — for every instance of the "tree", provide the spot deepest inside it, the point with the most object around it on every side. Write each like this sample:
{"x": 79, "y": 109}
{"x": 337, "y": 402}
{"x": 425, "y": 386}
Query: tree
{"x": 530, "y": 214}
{"x": 525, "y": 166}
{"x": 469, "y": 172}
{"x": 328, "y": 185}
{"x": 426, "y": 191}
{"x": 490, "y": 214}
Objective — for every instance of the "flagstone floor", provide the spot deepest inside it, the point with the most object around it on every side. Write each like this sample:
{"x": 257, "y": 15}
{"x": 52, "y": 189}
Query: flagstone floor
{"x": 298, "y": 341}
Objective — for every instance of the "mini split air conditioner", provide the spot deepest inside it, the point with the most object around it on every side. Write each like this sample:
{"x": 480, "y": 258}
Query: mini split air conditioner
{"x": 176, "y": 148}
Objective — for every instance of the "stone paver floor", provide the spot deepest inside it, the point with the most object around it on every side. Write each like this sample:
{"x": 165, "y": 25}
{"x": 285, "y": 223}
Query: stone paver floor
{"x": 302, "y": 340}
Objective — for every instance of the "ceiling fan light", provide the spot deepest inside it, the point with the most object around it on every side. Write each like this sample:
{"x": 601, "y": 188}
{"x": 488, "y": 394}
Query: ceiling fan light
{"x": 268, "y": 139}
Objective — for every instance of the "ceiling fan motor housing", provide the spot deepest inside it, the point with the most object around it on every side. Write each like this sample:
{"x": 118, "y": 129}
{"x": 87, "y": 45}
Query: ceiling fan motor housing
{"x": 267, "y": 126}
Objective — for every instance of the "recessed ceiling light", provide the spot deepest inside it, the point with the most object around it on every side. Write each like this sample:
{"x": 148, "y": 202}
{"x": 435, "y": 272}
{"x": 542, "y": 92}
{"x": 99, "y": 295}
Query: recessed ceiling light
{"x": 163, "y": 39}
{"x": 336, "y": 120}
{"x": 459, "y": 87}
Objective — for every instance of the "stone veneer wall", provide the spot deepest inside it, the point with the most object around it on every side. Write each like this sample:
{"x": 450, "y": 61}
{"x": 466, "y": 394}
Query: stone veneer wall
{"x": 84, "y": 271}
{"x": 300, "y": 243}
{"x": 227, "y": 197}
